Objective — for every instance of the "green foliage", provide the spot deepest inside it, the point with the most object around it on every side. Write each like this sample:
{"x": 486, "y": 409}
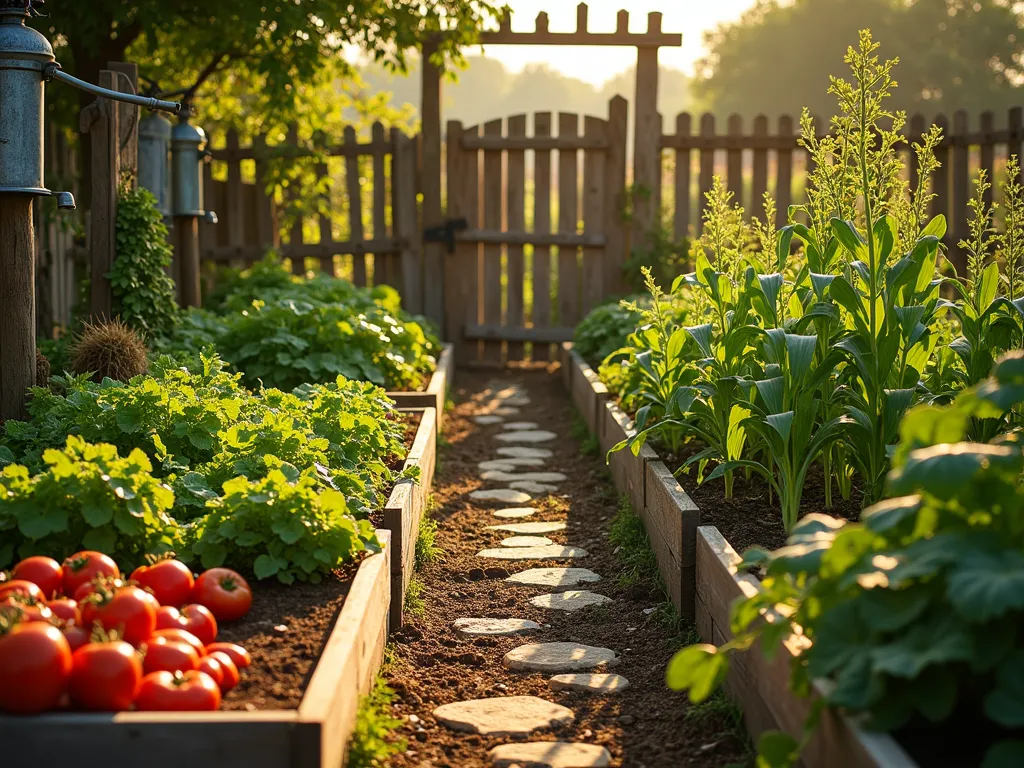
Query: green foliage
{"x": 85, "y": 497}
{"x": 372, "y": 742}
{"x": 915, "y": 610}
{"x": 427, "y": 549}
{"x": 660, "y": 254}
{"x": 281, "y": 525}
{"x": 144, "y": 294}
{"x": 605, "y": 330}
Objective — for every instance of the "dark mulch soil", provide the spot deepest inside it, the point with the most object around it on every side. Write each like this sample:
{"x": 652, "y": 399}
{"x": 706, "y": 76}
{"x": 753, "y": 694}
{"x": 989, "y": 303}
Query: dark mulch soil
{"x": 646, "y": 726}
{"x": 287, "y": 628}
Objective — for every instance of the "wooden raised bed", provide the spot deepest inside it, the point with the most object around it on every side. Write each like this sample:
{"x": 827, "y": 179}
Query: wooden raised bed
{"x": 316, "y": 735}
{"x": 699, "y": 569}
{"x": 436, "y": 393}
{"x": 405, "y": 508}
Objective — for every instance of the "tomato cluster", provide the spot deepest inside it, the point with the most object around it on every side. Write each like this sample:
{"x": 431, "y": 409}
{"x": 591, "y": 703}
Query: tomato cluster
{"x": 77, "y": 634}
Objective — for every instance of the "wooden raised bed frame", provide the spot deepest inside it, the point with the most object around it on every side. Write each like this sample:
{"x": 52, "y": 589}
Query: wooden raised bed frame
{"x": 405, "y": 508}
{"x": 436, "y": 393}
{"x": 316, "y": 735}
{"x": 699, "y": 569}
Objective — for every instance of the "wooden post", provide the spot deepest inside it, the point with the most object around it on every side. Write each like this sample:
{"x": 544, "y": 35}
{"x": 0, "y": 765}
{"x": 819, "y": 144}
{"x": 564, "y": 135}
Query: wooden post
{"x": 684, "y": 200}
{"x": 100, "y": 120}
{"x": 17, "y": 305}
{"x": 568, "y": 218}
{"x": 616, "y": 245}
{"x": 541, "y": 310}
{"x": 355, "y": 206}
{"x": 515, "y": 217}
{"x": 647, "y": 137}
{"x": 186, "y": 229}
{"x": 403, "y": 214}
{"x": 430, "y": 122}
{"x": 128, "y": 117}
{"x": 383, "y": 263}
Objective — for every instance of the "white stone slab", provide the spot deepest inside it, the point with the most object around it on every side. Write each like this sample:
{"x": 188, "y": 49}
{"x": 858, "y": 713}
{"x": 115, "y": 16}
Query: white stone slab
{"x": 526, "y": 436}
{"x": 502, "y": 476}
{"x": 592, "y": 682}
{"x": 558, "y": 657}
{"x": 525, "y": 452}
{"x": 503, "y": 716}
{"x": 528, "y": 528}
{"x": 487, "y": 419}
{"x": 510, "y": 464}
{"x": 514, "y": 426}
{"x": 504, "y": 495}
{"x": 572, "y": 600}
{"x": 515, "y": 400}
{"x": 550, "y": 754}
{"x": 550, "y": 552}
{"x": 474, "y": 627}
{"x": 532, "y": 486}
{"x": 514, "y": 512}
{"x": 553, "y": 577}
{"x": 505, "y": 410}
{"x": 526, "y": 541}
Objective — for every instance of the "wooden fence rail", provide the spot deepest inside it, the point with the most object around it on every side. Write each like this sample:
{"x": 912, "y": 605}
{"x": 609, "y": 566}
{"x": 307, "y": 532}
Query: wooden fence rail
{"x": 379, "y": 196}
{"x": 753, "y": 161}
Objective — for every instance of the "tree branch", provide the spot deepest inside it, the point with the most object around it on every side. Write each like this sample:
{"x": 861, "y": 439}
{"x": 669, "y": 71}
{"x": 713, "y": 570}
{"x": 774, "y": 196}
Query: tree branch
{"x": 208, "y": 71}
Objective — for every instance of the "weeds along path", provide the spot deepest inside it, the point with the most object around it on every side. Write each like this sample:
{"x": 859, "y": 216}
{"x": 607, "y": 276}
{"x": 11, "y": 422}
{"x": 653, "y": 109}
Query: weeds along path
{"x": 467, "y": 694}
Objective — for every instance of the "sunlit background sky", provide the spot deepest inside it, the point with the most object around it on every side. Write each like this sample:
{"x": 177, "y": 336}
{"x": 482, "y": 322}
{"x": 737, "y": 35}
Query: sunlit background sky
{"x": 596, "y": 65}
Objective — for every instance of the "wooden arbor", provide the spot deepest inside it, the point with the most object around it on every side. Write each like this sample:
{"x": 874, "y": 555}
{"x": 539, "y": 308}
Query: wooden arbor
{"x": 647, "y": 133}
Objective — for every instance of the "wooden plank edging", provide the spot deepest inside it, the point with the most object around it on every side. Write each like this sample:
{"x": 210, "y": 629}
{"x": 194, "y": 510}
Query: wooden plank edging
{"x": 436, "y": 393}
{"x": 316, "y": 735}
{"x": 405, "y": 508}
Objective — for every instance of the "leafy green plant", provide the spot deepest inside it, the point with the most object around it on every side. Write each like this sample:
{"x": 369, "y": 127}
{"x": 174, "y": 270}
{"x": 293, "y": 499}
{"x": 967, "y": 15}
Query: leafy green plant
{"x": 913, "y": 612}
{"x": 372, "y": 741}
{"x": 144, "y": 294}
{"x": 281, "y": 525}
{"x": 605, "y": 330}
{"x": 86, "y": 497}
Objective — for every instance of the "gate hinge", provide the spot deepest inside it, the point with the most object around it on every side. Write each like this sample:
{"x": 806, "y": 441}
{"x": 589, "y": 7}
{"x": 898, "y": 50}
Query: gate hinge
{"x": 445, "y": 233}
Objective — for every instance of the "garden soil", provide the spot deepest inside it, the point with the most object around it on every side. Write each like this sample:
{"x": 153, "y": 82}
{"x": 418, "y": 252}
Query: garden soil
{"x": 646, "y": 725}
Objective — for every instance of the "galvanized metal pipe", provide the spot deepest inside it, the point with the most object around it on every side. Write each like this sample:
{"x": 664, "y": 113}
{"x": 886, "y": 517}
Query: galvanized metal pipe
{"x": 54, "y": 72}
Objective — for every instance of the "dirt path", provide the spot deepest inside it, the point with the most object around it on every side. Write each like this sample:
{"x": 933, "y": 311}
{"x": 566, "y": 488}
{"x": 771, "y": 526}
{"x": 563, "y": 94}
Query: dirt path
{"x": 645, "y": 725}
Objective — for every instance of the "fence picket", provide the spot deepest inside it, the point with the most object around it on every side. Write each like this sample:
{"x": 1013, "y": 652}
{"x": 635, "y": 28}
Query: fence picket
{"x": 784, "y": 173}
{"x": 568, "y": 220}
{"x": 961, "y": 193}
{"x": 759, "y": 181}
{"x": 917, "y": 128}
{"x": 594, "y": 215}
{"x": 616, "y": 247}
{"x": 734, "y": 159}
{"x": 326, "y": 227}
{"x": 516, "y": 218}
{"x": 681, "y": 219}
{"x": 404, "y": 222}
{"x": 988, "y": 149}
{"x": 541, "y": 310}
{"x": 707, "y": 167}
{"x": 234, "y": 204}
{"x": 355, "y": 208}
{"x": 492, "y": 211}
{"x": 384, "y": 264}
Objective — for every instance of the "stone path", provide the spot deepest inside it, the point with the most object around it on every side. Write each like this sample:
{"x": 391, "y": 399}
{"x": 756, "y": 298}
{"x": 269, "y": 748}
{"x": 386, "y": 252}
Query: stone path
{"x": 525, "y": 470}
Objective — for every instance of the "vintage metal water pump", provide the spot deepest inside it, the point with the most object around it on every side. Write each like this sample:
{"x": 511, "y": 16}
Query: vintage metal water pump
{"x": 26, "y": 65}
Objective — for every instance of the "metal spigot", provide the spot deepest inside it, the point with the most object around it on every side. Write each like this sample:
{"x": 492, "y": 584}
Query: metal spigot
{"x": 54, "y": 72}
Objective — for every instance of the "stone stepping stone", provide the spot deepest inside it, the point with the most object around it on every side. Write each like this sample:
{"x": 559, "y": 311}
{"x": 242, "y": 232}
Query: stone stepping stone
{"x": 514, "y": 512}
{"x": 553, "y": 577}
{"x": 558, "y": 657}
{"x": 502, "y": 476}
{"x": 526, "y": 436}
{"x": 550, "y": 754}
{"x": 571, "y": 600}
{"x": 590, "y": 682}
{"x": 525, "y": 452}
{"x": 526, "y": 541}
{"x": 515, "y": 401}
{"x": 550, "y": 552}
{"x": 532, "y": 486}
{"x": 503, "y": 716}
{"x": 504, "y": 495}
{"x": 514, "y": 426}
{"x": 486, "y": 420}
{"x": 509, "y": 464}
{"x": 477, "y": 627}
{"x": 505, "y": 411}
{"x": 537, "y": 527}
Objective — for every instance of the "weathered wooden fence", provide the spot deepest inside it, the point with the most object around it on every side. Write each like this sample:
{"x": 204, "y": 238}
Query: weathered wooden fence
{"x": 543, "y": 246}
{"x": 758, "y": 159}
{"x": 60, "y": 255}
{"x": 373, "y": 184}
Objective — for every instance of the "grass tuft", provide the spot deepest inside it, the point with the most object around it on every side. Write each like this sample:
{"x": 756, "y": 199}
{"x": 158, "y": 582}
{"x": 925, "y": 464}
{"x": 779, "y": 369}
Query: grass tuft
{"x": 427, "y": 549}
{"x": 415, "y": 605}
{"x": 373, "y": 742}
{"x": 579, "y": 431}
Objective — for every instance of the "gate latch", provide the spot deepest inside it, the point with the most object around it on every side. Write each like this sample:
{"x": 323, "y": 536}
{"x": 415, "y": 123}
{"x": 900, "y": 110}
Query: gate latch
{"x": 445, "y": 233}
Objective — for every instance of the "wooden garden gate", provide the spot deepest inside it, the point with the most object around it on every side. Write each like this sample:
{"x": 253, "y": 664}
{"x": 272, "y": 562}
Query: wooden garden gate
{"x": 544, "y": 237}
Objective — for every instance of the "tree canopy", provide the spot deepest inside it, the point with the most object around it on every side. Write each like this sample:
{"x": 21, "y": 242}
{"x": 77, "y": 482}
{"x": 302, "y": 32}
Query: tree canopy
{"x": 955, "y": 54}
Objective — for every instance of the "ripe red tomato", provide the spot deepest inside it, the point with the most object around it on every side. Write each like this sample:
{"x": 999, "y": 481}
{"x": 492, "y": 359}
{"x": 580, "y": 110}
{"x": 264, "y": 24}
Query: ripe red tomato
{"x": 236, "y": 653}
{"x": 105, "y": 676}
{"x": 82, "y": 567}
{"x": 21, "y": 587}
{"x": 192, "y": 618}
{"x": 213, "y": 668}
{"x": 127, "y": 610}
{"x": 170, "y": 581}
{"x": 76, "y": 635}
{"x": 35, "y": 663}
{"x": 224, "y": 592}
{"x": 231, "y": 676}
{"x": 192, "y": 691}
{"x": 44, "y": 572}
{"x": 29, "y": 609}
{"x": 89, "y": 587}
{"x": 65, "y": 609}
{"x": 182, "y": 636}
{"x": 166, "y": 654}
